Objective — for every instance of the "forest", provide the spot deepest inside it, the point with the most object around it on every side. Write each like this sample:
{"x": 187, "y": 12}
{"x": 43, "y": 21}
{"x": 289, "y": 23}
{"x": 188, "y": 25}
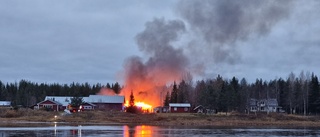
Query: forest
{"x": 299, "y": 94}
{"x": 295, "y": 94}
{"x": 25, "y": 93}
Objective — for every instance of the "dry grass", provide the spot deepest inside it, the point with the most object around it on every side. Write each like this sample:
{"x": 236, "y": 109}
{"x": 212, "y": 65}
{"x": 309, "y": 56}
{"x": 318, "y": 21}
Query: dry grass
{"x": 232, "y": 119}
{"x": 28, "y": 115}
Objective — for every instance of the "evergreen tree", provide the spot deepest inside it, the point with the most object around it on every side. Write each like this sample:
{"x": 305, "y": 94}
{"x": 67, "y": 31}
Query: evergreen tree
{"x": 200, "y": 92}
{"x": 244, "y": 96}
{"x": 132, "y": 108}
{"x": 116, "y": 88}
{"x": 212, "y": 94}
{"x": 283, "y": 91}
{"x": 314, "y": 99}
{"x": 167, "y": 100}
{"x": 174, "y": 94}
{"x": 223, "y": 103}
{"x": 234, "y": 95}
{"x": 290, "y": 95}
{"x": 2, "y": 91}
{"x": 131, "y": 101}
{"x": 183, "y": 94}
{"x": 108, "y": 86}
{"x": 76, "y": 102}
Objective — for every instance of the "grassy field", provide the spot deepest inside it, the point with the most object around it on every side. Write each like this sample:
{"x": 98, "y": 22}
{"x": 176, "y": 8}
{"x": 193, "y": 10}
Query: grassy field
{"x": 101, "y": 117}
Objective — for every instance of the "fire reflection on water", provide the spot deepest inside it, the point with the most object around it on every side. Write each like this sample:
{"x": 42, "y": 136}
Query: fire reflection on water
{"x": 139, "y": 131}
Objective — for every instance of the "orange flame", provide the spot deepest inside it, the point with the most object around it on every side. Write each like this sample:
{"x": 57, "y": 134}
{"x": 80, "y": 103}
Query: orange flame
{"x": 143, "y": 106}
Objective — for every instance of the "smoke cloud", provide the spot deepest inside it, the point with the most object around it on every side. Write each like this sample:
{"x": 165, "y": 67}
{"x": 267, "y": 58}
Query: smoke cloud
{"x": 106, "y": 91}
{"x": 220, "y": 24}
{"x": 215, "y": 26}
{"x": 165, "y": 62}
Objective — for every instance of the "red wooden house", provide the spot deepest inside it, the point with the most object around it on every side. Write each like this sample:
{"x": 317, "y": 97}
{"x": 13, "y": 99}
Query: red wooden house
{"x": 49, "y": 105}
{"x": 179, "y": 107}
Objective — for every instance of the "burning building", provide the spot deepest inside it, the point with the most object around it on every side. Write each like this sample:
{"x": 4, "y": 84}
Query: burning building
{"x": 211, "y": 30}
{"x": 148, "y": 78}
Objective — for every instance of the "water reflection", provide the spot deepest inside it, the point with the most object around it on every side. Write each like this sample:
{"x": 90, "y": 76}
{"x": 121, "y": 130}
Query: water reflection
{"x": 140, "y": 131}
{"x": 55, "y": 128}
{"x": 62, "y": 130}
{"x": 76, "y": 132}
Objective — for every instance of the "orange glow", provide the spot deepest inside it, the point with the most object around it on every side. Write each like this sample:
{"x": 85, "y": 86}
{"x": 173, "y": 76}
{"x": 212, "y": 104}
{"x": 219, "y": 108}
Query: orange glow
{"x": 140, "y": 131}
{"x": 144, "y": 131}
{"x": 143, "y": 106}
{"x": 145, "y": 93}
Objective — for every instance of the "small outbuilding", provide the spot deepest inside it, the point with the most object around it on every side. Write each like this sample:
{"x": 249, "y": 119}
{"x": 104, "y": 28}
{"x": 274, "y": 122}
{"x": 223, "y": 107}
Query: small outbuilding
{"x": 5, "y": 104}
{"x": 179, "y": 107}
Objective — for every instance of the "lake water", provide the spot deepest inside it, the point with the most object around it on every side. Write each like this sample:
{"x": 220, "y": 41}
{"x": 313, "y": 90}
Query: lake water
{"x": 63, "y": 130}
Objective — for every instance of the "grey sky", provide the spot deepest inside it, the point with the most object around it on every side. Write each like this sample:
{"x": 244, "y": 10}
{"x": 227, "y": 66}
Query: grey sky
{"x": 89, "y": 41}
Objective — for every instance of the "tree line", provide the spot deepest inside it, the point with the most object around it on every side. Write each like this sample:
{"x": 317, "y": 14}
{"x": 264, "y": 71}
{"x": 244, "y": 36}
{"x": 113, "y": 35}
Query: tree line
{"x": 298, "y": 94}
{"x": 25, "y": 93}
{"x": 295, "y": 94}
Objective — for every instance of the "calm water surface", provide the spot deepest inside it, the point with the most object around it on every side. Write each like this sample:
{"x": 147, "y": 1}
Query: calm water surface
{"x": 62, "y": 130}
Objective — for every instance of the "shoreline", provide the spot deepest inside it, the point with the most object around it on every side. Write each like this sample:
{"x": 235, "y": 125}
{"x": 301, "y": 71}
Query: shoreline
{"x": 162, "y": 119}
{"x": 222, "y": 126}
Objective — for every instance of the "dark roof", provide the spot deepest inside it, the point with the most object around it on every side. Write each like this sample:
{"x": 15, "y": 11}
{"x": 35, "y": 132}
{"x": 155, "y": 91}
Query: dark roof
{"x": 89, "y": 103}
{"x": 270, "y": 102}
{"x": 179, "y": 105}
{"x": 66, "y": 100}
{"x": 200, "y": 106}
{"x": 253, "y": 102}
{"x": 104, "y": 99}
{"x": 55, "y": 102}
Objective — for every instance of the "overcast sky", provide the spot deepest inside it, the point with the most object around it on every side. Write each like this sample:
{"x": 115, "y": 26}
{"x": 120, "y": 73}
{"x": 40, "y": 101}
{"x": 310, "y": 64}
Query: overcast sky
{"x": 89, "y": 41}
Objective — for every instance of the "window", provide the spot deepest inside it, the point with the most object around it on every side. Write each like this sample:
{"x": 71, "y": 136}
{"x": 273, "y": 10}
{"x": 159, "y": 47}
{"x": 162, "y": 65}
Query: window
{"x": 253, "y": 108}
{"x": 175, "y": 109}
{"x": 87, "y": 107}
{"x": 48, "y": 106}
